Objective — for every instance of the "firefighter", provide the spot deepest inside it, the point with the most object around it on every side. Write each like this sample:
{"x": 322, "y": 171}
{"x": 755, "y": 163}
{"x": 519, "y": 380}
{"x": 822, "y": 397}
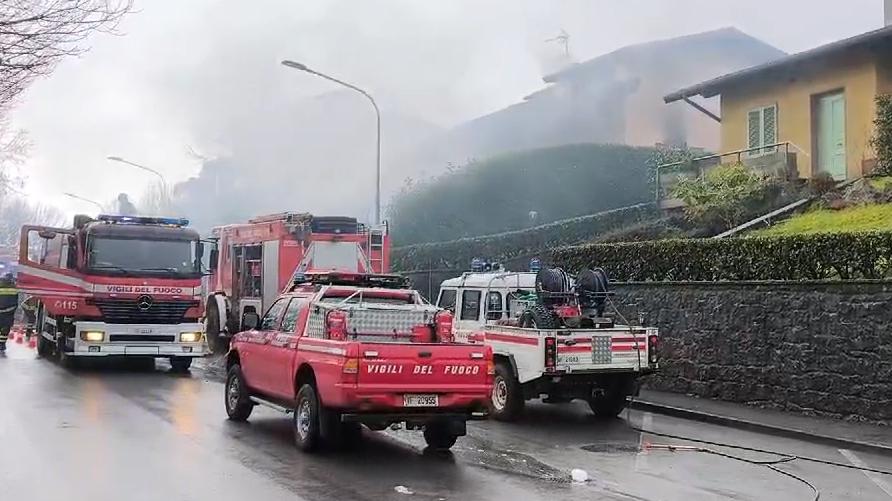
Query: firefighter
{"x": 9, "y": 301}
{"x": 29, "y": 311}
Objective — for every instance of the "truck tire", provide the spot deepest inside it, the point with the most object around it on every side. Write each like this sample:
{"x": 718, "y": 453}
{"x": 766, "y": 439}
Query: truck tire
{"x": 65, "y": 360}
{"x": 540, "y": 317}
{"x": 506, "y": 402}
{"x": 439, "y": 437}
{"x": 217, "y": 342}
{"x": 180, "y": 364}
{"x": 611, "y": 402}
{"x": 44, "y": 346}
{"x": 236, "y": 398}
{"x": 307, "y": 419}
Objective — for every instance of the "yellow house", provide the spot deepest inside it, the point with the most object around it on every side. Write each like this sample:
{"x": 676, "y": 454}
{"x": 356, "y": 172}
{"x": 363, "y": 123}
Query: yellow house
{"x": 818, "y": 105}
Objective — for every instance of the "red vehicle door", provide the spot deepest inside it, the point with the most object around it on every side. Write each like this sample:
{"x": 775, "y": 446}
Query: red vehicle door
{"x": 253, "y": 352}
{"x": 281, "y": 351}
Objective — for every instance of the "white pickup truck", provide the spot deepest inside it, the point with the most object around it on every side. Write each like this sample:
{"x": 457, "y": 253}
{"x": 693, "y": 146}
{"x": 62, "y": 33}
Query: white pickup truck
{"x": 550, "y": 338}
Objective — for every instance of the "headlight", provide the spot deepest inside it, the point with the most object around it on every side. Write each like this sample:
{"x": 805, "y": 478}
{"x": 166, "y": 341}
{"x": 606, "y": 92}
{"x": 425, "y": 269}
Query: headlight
{"x": 93, "y": 336}
{"x": 190, "y": 337}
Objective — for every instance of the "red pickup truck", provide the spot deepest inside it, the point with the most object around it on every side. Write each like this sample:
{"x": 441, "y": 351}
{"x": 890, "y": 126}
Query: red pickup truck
{"x": 339, "y": 350}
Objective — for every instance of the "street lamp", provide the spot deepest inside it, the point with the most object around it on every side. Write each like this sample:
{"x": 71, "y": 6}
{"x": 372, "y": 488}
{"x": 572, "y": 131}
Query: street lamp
{"x": 298, "y": 66}
{"x": 78, "y": 197}
{"x": 138, "y": 166}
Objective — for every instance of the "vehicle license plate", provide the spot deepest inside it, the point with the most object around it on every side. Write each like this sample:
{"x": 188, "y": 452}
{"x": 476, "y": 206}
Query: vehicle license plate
{"x": 421, "y": 401}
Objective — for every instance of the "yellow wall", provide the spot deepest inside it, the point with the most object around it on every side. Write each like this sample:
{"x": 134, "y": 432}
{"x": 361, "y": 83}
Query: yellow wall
{"x": 856, "y": 74}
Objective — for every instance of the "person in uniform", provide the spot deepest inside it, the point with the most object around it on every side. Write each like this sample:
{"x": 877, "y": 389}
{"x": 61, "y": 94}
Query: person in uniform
{"x": 9, "y": 302}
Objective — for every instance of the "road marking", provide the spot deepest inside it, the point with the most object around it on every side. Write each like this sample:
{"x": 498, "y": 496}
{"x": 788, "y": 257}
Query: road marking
{"x": 875, "y": 478}
{"x": 641, "y": 462}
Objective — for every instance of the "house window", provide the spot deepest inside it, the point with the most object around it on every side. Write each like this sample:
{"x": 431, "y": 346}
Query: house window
{"x": 761, "y": 129}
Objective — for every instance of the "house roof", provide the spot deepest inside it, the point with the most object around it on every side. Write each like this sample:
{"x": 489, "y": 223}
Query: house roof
{"x": 714, "y": 87}
{"x": 669, "y": 46}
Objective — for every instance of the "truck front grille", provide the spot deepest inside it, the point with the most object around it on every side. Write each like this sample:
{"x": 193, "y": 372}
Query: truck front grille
{"x": 127, "y": 311}
{"x": 145, "y": 338}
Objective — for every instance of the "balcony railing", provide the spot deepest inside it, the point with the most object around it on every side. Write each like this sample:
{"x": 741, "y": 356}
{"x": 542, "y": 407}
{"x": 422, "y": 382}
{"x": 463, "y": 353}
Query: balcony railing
{"x": 775, "y": 160}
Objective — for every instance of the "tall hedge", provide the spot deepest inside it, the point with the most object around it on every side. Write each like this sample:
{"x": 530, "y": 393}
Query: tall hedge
{"x": 499, "y": 193}
{"x": 458, "y": 254}
{"x": 866, "y": 255}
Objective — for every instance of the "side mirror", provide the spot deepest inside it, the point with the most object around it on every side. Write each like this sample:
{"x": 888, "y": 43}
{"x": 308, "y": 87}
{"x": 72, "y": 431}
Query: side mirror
{"x": 212, "y": 259}
{"x": 47, "y": 234}
{"x": 250, "y": 321}
{"x": 199, "y": 250}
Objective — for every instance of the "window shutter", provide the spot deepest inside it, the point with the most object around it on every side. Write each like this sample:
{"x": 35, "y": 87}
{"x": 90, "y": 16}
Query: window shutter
{"x": 769, "y": 125}
{"x": 754, "y": 129}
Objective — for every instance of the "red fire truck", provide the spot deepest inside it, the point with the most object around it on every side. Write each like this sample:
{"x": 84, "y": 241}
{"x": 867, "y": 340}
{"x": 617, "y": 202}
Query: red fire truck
{"x": 254, "y": 262}
{"x": 115, "y": 286}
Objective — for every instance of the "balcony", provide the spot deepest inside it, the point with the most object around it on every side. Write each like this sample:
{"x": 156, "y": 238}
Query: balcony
{"x": 774, "y": 160}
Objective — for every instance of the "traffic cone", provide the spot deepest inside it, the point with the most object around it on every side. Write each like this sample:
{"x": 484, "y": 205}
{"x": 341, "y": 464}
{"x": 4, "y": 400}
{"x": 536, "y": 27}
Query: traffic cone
{"x": 19, "y": 338}
{"x": 32, "y": 342}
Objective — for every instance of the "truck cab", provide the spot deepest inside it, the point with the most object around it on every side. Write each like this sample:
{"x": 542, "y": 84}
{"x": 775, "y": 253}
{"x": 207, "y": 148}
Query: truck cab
{"x": 115, "y": 286}
{"x": 338, "y": 350}
{"x": 253, "y": 262}
{"x": 551, "y": 336}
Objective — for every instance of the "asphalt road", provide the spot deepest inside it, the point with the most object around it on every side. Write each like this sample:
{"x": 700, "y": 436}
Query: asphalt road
{"x": 115, "y": 432}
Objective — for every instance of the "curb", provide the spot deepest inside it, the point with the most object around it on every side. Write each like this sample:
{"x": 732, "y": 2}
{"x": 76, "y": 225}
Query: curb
{"x": 781, "y": 431}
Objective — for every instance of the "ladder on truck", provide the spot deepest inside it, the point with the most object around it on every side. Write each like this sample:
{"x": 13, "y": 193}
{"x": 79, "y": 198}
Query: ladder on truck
{"x": 376, "y": 248}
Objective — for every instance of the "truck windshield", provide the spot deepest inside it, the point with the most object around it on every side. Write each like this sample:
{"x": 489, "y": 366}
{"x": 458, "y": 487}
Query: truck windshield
{"x": 139, "y": 256}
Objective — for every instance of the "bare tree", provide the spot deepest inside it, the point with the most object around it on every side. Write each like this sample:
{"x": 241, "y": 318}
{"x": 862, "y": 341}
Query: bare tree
{"x": 156, "y": 200}
{"x": 14, "y": 147}
{"x": 36, "y": 34}
{"x": 16, "y": 212}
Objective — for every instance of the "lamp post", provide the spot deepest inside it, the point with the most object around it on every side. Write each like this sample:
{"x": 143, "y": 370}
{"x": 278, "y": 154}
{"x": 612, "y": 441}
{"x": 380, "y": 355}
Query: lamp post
{"x": 298, "y": 66}
{"x": 82, "y": 199}
{"x": 138, "y": 166}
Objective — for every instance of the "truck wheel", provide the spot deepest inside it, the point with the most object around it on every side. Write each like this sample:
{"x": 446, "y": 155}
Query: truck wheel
{"x": 65, "y": 360}
{"x": 439, "y": 437}
{"x": 238, "y": 402}
{"x": 307, "y": 419}
{"x": 180, "y": 364}
{"x": 44, "y": 347}
{"x": 611, "y": 402}
{"x": 506, "y": 402}
{"x": 216, "y": 342}
{"x": 540, "y": 317}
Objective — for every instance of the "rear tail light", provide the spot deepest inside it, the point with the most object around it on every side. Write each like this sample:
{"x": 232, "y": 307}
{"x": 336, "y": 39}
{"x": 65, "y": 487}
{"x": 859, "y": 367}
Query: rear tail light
{"x": 443, "y": 326}
{"x": 336, "y": 325}
{"x": 351, "y": 366}
{"x": 653, "y": 345}
{"x": 490, "y": 368}
{"x": 550, "y": 353}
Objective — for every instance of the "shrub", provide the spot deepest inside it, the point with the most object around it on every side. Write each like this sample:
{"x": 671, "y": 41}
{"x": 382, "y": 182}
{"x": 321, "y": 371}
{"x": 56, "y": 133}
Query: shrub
{"x": 882, "y": 136}
{"x": 457, "y": 254}
{"x": 519, "y": 190}
{"x": 724, "y": 195}
{"x": 866, "y": 255}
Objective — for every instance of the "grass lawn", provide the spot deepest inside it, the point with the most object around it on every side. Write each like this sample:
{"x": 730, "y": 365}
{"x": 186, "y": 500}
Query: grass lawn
{"x": 860, "y": 218}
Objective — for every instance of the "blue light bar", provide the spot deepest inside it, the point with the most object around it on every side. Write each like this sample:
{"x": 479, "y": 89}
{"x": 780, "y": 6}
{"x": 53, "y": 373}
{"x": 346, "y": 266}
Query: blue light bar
{"x": 167, "y": 221}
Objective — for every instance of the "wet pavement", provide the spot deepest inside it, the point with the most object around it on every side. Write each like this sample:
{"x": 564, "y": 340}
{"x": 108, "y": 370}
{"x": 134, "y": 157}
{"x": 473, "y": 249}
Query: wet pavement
{"x": 135, "y": 432}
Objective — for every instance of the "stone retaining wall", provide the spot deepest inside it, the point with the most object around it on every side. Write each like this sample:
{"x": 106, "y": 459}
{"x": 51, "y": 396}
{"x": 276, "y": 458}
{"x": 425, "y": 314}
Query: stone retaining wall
{"x": 816, "y": 348}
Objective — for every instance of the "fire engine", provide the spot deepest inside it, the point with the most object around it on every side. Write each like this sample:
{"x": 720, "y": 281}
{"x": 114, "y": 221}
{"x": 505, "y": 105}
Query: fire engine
{"x": 253, "y": 262}
{"x": 115, "y": 286}
{"x": 551, "y": 336}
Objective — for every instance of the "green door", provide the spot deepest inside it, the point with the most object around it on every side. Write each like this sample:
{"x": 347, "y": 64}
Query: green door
{"x": 831, "y": 135}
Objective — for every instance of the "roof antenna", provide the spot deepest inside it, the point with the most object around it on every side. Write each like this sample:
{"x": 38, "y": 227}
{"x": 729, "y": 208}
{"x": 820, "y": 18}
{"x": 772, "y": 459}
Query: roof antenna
{"x": 563, "y": 39}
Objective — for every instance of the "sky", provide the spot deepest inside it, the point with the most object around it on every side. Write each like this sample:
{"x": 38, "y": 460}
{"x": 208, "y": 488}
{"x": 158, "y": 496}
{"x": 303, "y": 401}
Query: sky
{"x": 205, "y": 75}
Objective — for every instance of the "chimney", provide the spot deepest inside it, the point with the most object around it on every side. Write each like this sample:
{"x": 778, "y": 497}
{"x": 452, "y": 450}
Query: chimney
{"x": 887, "y": 12}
